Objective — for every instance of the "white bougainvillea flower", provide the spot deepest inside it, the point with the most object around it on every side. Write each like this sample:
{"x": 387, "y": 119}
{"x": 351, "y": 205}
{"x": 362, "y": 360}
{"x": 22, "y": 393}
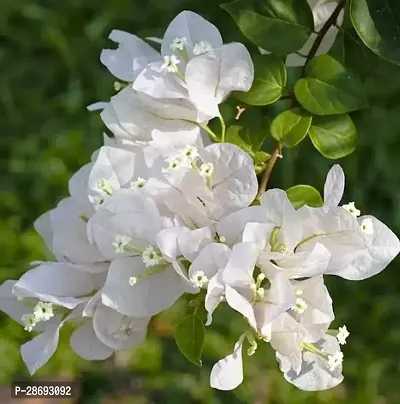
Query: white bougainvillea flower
{"x": 204, "y": 71}
{"x": 259, "y": 299}
{"x": 227, "y": 373}
{"x": 130, "y": 58}
{"x": 62, "y": 284}
{"x": 321, "y": 366}
{"x": 229, "y": 186}
{"x": 131, "y": 118}
{"x": 360, "y": 247}
{"x": 68, "y": 222}
{"x": 195, "y": 29}
{"x": 21, "y": 304}
{"x": 150, "y": 278}
{"x": 206, "y": 272}
{"x": 125, "y": 225}
{"x": 106, "y": 332}
{"x": 213, "y": 75}
{"x": 334, "y": 186}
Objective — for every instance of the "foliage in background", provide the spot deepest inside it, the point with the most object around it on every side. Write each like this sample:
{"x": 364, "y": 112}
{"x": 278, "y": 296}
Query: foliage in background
{"x": 50, "y": 71}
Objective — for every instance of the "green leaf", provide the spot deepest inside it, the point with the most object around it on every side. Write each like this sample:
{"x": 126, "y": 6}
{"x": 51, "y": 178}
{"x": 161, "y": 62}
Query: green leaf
{"x": 250, "y": 135}
{"x": 279, "y": 26}
{"x": 301, "y": 195}
{"x": 377, "y": 22}
{"x": 261, "y": 157}
{"x": 329, "y": 88}
{"x": 291, "y": 127}
{"x": 189, "y": 337}
{"x": 333, "y": 136}
{"x": 269, "y": 81}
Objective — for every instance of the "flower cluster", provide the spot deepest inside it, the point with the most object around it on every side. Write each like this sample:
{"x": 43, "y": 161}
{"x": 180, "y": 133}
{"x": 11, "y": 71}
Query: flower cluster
{"x": 160, "y": 212}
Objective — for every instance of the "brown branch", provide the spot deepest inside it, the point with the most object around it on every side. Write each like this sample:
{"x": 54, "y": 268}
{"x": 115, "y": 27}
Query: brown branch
{"x": 268, "y": 170}
{"x": 321, "y": 34}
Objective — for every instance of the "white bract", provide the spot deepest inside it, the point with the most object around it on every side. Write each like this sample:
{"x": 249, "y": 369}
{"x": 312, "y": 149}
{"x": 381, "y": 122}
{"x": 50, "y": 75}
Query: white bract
{"x": 161, "y": 211}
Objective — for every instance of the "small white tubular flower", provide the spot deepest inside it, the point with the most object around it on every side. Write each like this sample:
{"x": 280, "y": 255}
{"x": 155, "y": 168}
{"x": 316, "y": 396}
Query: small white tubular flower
{"x": 199, "y": 279}
{"x": 43, "y": 311}
{"x": 170, "y": 64}
{"x": 139, "y": 183}
{"x": 206, "y": 169}
{"x": 342, "y": 335}
{"x": 202, "y": 47}
{"x": 189, "y": 153}
{"x": 335, "y": 360}
{"x": 104, "y": 187}
{"x": 120, "y": 243}
{"x": 150, "y": 257}
{"x": 301, "y": 306}
{"x": 179, "y": 43}
{"x": 173, "y": 164}
{"x": 29, "y": 321}
{"x": 351, "y": 208}
{"x": 133, "y": 280}
{"x": 367, "y": 226}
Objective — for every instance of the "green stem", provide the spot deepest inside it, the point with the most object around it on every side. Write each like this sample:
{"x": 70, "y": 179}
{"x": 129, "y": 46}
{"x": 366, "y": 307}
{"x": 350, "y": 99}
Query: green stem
{"x": 223, "y": 129}
{"x": 210, "y": 132}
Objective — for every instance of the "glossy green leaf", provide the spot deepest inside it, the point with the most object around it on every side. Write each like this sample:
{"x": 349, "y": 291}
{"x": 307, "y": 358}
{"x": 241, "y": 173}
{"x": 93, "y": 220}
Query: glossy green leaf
{"x": 333, "y": 136}
{"x": 301, "y": 195}
{"x": 329, "y": 88}
{"x": 250, "y": 131}
{"x": 189, "y": 337}
{"x": 377, "y": 22}
{"x": 279, "y": 26}
{"x": 269, "y": 81}
{"x": 291, "y": 126}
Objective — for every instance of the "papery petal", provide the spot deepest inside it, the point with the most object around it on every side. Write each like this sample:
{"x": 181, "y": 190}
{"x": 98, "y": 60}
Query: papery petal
{"x": 85, "y": 343}
{"x": 43, "y": 226}
{"x": 149, "y": 296}
{"x": 131, "y": 56}
{"x": 304, "y": 264}
{"x": 234, "y": 182}
{"x": 57, "y": 279}
{"x": 319, "y": 313}
{"x": 279, "y": 297}
{"x": 239, "y": 269}
{"x": 9, "y": 303}
{"x": 153, "y": 81}
{"x": 211, "y": 76}
{"x": 231, "y": 226}
{"x": 314, "y": 374}
{"x": 279, "y": 211}
{"x": 194, "y": 28}
{"x": 286, "y": 336}
{"x": 334, "y": 186}
{"x": 211, "y": 258}
{"x": 215, "y": 290}
{"x": 114, "y": 165}
{"x": 70, "y": 233}
{"x": 241, "y": 304}
{"x": 36, "y": 352}
{"x": 129, "y": 118}
{"x": 117, "y": 331}
{"x": 227, "y": 374}
{"x": 191, "y": 242}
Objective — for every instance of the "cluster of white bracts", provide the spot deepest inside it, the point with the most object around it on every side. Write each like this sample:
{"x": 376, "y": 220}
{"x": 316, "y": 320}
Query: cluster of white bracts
{"x": 157, "y": 214}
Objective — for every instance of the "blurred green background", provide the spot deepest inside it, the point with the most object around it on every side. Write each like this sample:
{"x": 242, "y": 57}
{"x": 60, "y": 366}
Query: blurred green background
{"x": 49, "y": 72}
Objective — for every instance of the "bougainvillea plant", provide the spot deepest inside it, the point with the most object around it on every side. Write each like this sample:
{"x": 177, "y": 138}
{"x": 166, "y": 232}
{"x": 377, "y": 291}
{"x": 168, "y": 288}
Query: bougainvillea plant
{"x": 171, "y": 205}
